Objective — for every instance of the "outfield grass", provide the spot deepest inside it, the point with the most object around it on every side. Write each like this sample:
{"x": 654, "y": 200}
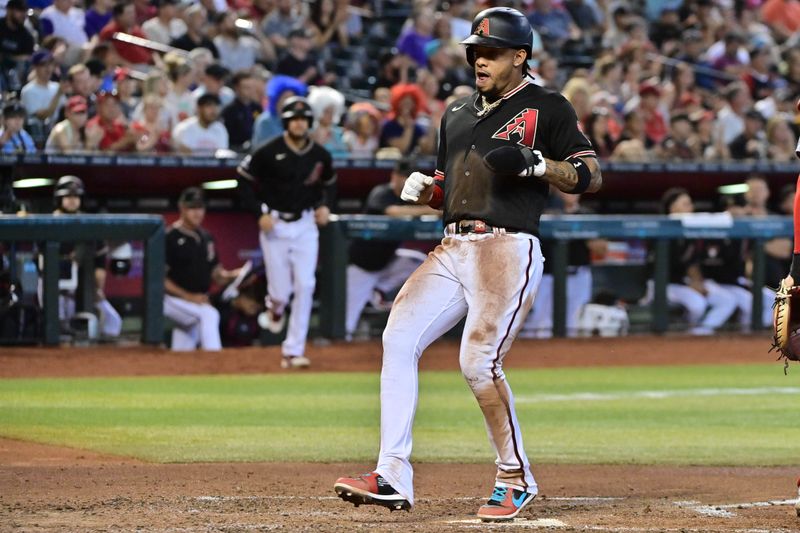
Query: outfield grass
{"x": 714, "y": 415}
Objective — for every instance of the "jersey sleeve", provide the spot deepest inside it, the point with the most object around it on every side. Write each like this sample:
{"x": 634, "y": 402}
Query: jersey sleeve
{"x": 441, "y": 164}
{"x": 567, "y": 139}
{"x": 250, "y": 170}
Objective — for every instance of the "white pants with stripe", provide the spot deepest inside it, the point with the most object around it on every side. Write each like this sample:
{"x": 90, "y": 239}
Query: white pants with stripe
{"x": 744, "y": 303}
{"x": 194, "y": 324}
{"x": 705, "y": 312}
{"x": 362, "y": 283}
{"x": 579, "y": 293}
{"x": 491, "y": 279}
{"x": 290, "y": 257}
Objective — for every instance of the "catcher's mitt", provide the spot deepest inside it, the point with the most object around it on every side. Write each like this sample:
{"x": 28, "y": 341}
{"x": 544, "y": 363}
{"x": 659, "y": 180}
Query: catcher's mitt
{"x": 786, "y": 323}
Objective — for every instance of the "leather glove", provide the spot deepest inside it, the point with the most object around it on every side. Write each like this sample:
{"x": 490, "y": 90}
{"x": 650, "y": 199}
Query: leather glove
{"x": 517, "y": 161}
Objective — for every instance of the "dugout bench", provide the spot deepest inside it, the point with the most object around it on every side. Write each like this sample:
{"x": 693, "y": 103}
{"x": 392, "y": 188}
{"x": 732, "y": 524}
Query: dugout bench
{"x": 332, "y": 280}
{"x": 52, "y": 230}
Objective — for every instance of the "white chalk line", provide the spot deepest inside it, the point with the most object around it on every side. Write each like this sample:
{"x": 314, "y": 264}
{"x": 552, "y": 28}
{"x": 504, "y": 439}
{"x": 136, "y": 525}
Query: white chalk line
{"x": 552, "y": 523}
{"x": 657, "y": 394}
{"x": 723, "y": 510}
{"x": 575, "y": 499}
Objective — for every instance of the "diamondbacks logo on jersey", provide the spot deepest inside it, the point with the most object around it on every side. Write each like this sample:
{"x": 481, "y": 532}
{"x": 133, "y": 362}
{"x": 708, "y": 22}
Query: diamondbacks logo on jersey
{"x": 523, "y": 126}
{"x": 483, "y": 28}
{"x": 315, "y": 175}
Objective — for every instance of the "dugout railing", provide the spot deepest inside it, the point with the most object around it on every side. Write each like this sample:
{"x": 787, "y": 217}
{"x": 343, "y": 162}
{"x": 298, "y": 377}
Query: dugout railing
{"x": 659, "y": 230}
{"x": 49, "y": 231}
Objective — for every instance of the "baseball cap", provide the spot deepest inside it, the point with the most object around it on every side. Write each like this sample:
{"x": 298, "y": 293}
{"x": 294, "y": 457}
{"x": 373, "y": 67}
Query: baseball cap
{"x": 20, "y": 5}
{"x": 77, "y": 104}
{"x": 649, "y": 87}
{"x": 13, "y": 109}
{"x": 192, "y": 197}
{"x": 41, "y": 57}
{"x": 755, "y": 115}
{"x": 216, "y": 71}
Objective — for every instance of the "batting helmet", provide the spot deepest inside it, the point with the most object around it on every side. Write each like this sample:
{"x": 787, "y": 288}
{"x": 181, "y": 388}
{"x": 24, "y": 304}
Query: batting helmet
{"x": 499, "y": 27}
{"x": 68, "y": 186}
{"x": 296, "y": 107}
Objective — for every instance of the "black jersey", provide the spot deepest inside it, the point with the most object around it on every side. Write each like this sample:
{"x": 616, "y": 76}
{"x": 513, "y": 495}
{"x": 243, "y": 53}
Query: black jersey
{"x": 528, "y": 115}
{"x": 723, "y": 260}
{"x": 285, "y": 180}
{"x": 191, "y": 258}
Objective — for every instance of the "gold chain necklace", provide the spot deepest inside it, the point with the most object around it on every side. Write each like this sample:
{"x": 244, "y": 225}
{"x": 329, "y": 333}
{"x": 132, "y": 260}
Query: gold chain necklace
{"x": 486, "y": 106}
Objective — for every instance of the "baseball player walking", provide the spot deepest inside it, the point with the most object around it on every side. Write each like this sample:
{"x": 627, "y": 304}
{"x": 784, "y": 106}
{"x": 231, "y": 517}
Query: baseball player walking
{"x": 192, "y": 263}
{"x": 289, "y": 183}
{"x": 499, "y": 151}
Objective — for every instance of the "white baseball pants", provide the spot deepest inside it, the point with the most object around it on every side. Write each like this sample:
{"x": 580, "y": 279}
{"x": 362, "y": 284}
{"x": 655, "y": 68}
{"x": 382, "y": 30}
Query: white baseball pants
{"x": 744, "y": 303}
{"x": 290, "y": 257}
{"x": 362, "y": 283}
{"x": 579, "y": 293}
{"x": 492, "y": 279}
{"x": 194, "y": 324}
{"x": 705, "y": 312}
{"x": 108, "y": 318}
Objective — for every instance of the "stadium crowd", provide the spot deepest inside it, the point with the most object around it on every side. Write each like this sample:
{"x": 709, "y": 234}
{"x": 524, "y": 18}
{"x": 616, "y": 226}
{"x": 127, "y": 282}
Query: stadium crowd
{"x": 659, "y": 79}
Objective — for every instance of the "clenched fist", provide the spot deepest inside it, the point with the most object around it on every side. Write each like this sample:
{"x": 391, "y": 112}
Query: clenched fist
{"x": 522, "y": 162}
{"x": 418, "y": 188}
{"x": 266, "y": 223}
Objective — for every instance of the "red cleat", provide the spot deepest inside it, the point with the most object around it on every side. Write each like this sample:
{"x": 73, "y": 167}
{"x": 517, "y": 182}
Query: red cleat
{"x": 370, "y": 489}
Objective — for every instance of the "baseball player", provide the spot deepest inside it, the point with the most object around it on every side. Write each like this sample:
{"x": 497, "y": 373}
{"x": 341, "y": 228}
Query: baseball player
{"x": 381, "y": 265}
{"x": 192, "y": 264}
{"x": 68, "y": 195}
{"x": 289, "y": 183}
{"x": 499, "y": 151}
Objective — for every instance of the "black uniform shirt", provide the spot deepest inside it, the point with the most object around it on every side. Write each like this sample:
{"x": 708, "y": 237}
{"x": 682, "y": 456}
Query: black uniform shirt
{"x": 287, "y": 181}
{"x": 191, "y": 258}
{"x": 723, "y": 260}
{"x": 373, "y": 255}
{"x": 528, "y": 115}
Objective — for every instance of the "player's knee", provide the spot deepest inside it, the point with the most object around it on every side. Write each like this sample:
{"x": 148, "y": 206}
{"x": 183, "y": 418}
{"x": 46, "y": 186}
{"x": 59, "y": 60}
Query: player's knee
{"x": 209, "y": 315}
{"x": 304, "y": 286}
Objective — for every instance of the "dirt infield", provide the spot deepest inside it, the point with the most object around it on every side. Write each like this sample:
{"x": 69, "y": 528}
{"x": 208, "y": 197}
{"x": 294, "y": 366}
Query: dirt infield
{"x": 44, "y": 488}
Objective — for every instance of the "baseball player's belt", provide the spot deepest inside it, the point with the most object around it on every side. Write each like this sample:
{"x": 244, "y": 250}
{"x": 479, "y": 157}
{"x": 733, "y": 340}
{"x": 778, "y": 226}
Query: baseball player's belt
{"x": 288, "y": 217}
{"x": 475, "y": 226}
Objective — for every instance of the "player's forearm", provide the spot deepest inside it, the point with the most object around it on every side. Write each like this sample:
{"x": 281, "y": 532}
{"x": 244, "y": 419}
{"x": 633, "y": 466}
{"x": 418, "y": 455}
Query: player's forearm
{"x": 564, "y": 176}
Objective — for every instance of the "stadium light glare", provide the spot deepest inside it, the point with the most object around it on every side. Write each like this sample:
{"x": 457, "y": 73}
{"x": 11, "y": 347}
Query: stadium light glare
{"x": 30, "y": 183}
{"x": 219, "y": 185}
{"x": 734, "y": 188}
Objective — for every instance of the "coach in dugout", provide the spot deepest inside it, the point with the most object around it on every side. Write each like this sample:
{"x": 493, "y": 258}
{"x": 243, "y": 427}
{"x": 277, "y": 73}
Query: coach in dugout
{"x": 192, "y": 264}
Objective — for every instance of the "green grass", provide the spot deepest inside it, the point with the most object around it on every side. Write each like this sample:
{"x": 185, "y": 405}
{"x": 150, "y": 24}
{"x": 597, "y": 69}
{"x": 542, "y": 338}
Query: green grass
{"x": 334, "y": 417}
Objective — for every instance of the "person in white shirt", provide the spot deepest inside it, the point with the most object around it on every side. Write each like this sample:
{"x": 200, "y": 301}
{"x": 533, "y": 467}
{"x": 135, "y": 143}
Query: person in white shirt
{"x": 41, "y": 96}
{"x": 64, "y": 20}
{"x": 213, "y": 82}
{"x": 166, "y": 25}
{"x": 201, "y": 134}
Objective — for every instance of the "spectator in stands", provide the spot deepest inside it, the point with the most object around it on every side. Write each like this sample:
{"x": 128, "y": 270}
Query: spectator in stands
{"x": 578, "y": 92}
{"x": 680, "y": 93}
{"x": 615, "y": 34}
{"x": 363, "y": 125}
{"x": 402, "y": 131}
{"x": 69, "y": 135}
{"x": 42, "y": 96}
{"x": 792, "y": 75}
{"x": 413, "y": 39}
{"x": 213, "y": 82}
{"x": 693, "y": 53}
{"x": 547, "y": 72}
{"x": 655, "y": 125}
{"x": 199, "y": 59}
{"x": 440, "y": 65}
{"x": 166, "y": 25}
{"x": 240, "y": 115}
{"x": 733, "y": 59}
{"x": 666, "y": 32}
{"x": 381, "y": 266}
{"x": 730, "y": 119}
{"x": 328, "y": 106}
{"x": 539, "y": 322}
{"x": 153, "y": 136}
{"x": 782, "y": 16}
{"x": 587, "y": 17}
{"x": 124, "y": 21}
{"x": 780, "y": 139}
{"x": 394, "y": 69}
{"x": 703, "y": 140}
{"x": 632, "y": 145}
{"x": 195, "y": 18}
{"x": 554, "y": 24}
{"x": 155, "y": 83}
{"x": 143, "y": 10}
{"x": 298, "y": 61}
{"x": 179, "y": 100}
{"x": 269, "y": 123}
{"x": 98, "y": 14}
{"x": 108, "y": 131}
{"x": 239, "y": 50}
{"x": 258, "y": 10}
{"x": 327, "y": 22}
{"x": 13, "y": 138}
{"x": 596, "y": 128}
{"x": 752, "y": 142}
{"x": 676, "y": 145}
{"x": 16, "y": 42}
{"x": 128, "y": 88}
{"x": 192, "y": 264}
{"x": 203, "y": 133}
{"x": 779, "y": 251}
{"x": 707, "y": 305}
{"x": 286, "y": 16}
{"x": 65, "y": 20}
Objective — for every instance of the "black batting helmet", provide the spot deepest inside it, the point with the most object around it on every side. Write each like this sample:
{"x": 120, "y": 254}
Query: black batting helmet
{"x": 499, "y": 27}
{"x": 296, "y": 107}
{"x": 68, "y": 186}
